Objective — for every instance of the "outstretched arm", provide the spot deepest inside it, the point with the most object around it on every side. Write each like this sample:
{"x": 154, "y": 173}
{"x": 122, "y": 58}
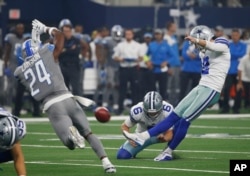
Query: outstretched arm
{"x": 18, "y": 158}
{"x": 58, "y": 37}
{"x": 219, "y": 47}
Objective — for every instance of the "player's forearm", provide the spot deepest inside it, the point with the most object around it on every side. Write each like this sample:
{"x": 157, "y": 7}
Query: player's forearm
{"x": 58, "y": 42}
{"x": 216, "y": 46}
{"x": 18, "y": 158}
{"x": 124, "y": 127}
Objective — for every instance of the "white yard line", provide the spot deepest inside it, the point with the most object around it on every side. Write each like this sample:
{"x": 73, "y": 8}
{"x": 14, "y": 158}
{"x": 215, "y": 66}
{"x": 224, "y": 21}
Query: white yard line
{"x": 132, "y": 167}
{"x": 119, "y": 118}
{"x": 154, "y": 150}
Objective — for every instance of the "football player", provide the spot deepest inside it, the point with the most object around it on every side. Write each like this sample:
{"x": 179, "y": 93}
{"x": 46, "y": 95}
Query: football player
{"x": 215, "y": 58}
{"x": 145, "y": 115}
{"x": 12, "y": 130}
{"x": 41, "y": 74}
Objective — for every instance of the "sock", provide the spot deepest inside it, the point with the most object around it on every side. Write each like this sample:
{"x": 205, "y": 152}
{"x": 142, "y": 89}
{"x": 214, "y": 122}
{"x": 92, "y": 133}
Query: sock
{"x": 180, "y": 132}
{"x": 169, "y": 150}
{"x": 164, "y": 125}
{"x": 96, "y": 145}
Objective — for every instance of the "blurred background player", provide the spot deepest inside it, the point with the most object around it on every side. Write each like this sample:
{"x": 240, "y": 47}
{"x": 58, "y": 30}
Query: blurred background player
{"x": 145, "y": 115}
{"x": 12, "y": 130}
{"x": 112, "y": 69}
{"x": 41, "y": 74}
{"x": 12, "y": 41}
{"x": 215, "y": 56}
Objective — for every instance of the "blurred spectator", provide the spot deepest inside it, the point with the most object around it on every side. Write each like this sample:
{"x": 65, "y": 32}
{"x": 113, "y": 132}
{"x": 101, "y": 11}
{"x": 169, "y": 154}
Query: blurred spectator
{"x": 237, "y": 49}
{"x": 246, "y": 38}
{"x": 145, "y": 74}
{"x": 101, "y": 56}
{"x": 174, "y": 76}
{"x": 70, "y": 62}
{"x": 244, "y": 81}
{"x": 111, "y": 68}
{"x": 64, "y": 22}
{"x": 84, "y": 54}
{"x": 219, "y": 32}
{"x": 160, "y": 54}
{"x": 128, "y": 54}
{"x": 11, "y": 55}
{"x": 234, "y": 3}
{"x": 190, "y": 70}
{"x": 94, "y": 36}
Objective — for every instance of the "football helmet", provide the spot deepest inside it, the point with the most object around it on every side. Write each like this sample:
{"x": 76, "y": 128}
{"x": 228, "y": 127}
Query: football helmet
{"x": 8, "y": 132}
{"x": 64, "y": 22}
{"x": 28, "y": 50}
{"x": 152, "y": 104}
{"x": 201, "y": 32}
{"x": 117, "y": 32}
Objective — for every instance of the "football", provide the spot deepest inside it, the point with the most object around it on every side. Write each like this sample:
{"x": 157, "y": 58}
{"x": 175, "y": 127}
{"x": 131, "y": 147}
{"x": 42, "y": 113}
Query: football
{"x": 102, "y": 114}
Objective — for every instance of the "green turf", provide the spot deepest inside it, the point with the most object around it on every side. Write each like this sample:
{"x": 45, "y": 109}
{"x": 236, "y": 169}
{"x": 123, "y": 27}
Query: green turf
{"x": 206, "y": 151}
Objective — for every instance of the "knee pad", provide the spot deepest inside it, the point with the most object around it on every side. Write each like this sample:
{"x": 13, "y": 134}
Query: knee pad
{"x": 123, "y": 154}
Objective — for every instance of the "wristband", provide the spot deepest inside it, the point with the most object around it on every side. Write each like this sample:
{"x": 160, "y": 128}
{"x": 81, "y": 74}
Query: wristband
{"x": 197, "y": 41}
{"x": 51, "y": 29}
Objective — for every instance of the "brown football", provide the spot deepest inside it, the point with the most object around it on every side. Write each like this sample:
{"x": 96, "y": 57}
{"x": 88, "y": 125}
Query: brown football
{"x": 102, "y": 114}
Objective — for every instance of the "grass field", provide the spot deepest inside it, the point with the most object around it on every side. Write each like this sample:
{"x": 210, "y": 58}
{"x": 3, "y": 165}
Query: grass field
{"x": 210, "y": 144}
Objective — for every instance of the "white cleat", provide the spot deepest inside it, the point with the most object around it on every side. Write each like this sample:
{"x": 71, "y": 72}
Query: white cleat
{"x": 109, "y": 168}
{"x": 134, "y": 137}
{"x": 76, "y": 138}
{"x": 164, "y": 156}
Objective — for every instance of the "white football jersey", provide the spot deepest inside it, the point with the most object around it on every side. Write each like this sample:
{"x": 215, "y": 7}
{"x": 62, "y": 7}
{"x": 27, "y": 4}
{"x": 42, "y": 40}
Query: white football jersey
{"x": 215, "y": 64}
{"x": 139, "y": 117}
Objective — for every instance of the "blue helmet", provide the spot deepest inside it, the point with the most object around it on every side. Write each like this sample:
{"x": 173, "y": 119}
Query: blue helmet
{"x": 27, "y": 49}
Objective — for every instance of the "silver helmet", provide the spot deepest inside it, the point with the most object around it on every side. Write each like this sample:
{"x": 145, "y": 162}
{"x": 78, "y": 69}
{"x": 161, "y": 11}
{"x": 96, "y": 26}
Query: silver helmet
{"x": 152, "y": 104}
{"x": 117, "y": 32}
{"x": 202, "y": 32}
{"x": 8, "y": 132}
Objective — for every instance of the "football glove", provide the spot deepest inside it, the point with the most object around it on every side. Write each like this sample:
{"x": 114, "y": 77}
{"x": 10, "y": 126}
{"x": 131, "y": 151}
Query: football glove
{"x": 39, "y": 26}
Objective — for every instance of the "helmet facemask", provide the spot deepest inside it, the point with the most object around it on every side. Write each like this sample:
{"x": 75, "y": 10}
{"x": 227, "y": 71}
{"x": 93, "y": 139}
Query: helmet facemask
{"x": 8, "y": 132}
{"x": 152, "y": 104}
{"x": 117, "y": 32}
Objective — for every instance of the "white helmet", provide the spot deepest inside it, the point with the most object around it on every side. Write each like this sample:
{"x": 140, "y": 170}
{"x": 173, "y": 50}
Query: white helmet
{"x": 201, "y": 32}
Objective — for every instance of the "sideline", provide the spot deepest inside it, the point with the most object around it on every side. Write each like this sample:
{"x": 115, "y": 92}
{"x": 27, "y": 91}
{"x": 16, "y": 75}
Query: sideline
{"x": 123, "y": 117}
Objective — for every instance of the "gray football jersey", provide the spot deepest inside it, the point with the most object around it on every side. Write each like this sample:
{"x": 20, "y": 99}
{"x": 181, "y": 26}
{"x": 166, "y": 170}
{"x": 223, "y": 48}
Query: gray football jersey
{"x": 15, "y": 43}
{"x": 42, "y": 75}
{"x": 143, "y": 122}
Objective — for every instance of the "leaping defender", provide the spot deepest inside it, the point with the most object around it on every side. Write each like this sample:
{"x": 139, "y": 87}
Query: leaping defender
{"x": 41, "y": 74}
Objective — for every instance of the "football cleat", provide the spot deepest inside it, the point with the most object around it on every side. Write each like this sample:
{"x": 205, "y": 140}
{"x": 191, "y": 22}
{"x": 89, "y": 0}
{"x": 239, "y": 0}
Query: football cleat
{"x": 109, "y": 168}
{"x": 76, "y": 138}
{"x": 164, "y": 156}
{"x": 136, "y": 137}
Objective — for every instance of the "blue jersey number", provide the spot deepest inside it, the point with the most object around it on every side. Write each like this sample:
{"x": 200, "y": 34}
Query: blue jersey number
{"x": 205, "y": 66}
{"x": 137, "y": 110}
{"x": 167, "y": 108}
